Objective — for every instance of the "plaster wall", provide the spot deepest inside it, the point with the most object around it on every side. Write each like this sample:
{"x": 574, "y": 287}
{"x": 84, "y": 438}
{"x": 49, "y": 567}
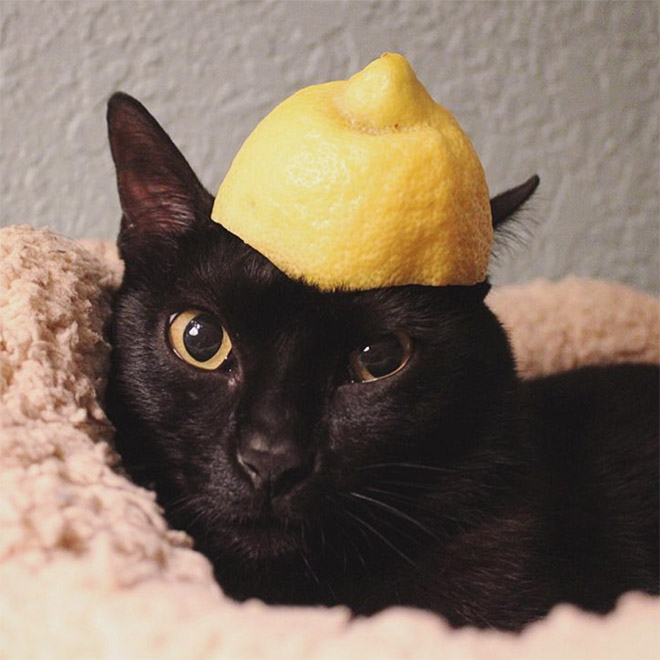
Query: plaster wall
{"x": 565, "y": 89}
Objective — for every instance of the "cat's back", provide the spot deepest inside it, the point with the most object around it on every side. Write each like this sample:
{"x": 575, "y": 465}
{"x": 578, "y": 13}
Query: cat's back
{"x": 598, "y": 431}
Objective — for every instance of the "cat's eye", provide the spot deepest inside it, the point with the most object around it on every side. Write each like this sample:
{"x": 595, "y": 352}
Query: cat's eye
{"x": 198, "y": 339}
{"x": 382, "y": 357}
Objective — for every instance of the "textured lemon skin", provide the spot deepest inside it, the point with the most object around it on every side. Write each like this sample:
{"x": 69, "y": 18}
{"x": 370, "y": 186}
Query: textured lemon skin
{"x": 361, "y": 184}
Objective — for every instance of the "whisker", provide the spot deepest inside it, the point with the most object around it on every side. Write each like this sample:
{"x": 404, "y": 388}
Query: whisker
{"x": 303, "y": 536}
{"x": 391, "y": 525}
{"x": 403, "y": 464}
{"x": 309, "y": 567}
{"x": 196, "y": 518}
{"x": 356, "y": 547}
{"x": 184, "y": 500}
{"x": 406, "y": 484}
{"x": 384, "y": 539}
{"x": 339, "y": 508}
{"x": 392, "y": 493}
{"x": 397, "y": 496}
{"x": 419, "y": 503}
{"x": 397, "y": 512}
{"x": 322, "y": 533}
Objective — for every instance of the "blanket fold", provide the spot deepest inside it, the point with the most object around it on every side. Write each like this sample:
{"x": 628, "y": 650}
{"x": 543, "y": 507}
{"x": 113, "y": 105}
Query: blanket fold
{"x": 88, "y": 565}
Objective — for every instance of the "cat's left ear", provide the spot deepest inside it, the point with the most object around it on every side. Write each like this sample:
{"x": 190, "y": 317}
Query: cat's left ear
{"x": 159, "y": 193}
{"x": 505, "y": 205}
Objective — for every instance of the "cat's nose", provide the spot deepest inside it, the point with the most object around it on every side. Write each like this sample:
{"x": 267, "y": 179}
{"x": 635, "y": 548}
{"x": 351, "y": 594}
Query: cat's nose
{"x": 276, "y": 467}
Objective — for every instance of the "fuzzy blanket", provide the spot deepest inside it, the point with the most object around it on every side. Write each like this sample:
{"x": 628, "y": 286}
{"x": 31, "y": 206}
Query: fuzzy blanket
{"x": 89, "y": 568}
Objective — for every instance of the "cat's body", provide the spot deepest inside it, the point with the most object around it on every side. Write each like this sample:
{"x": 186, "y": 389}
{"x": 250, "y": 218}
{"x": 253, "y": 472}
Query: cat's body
{"x": 449, "y": 484}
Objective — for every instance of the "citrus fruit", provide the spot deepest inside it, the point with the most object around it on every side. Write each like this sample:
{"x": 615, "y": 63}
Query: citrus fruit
{"x": 360, "y": 184}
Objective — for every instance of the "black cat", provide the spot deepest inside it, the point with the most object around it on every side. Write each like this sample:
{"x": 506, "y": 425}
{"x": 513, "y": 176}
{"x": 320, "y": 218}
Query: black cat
{"x": 369, "y": 448}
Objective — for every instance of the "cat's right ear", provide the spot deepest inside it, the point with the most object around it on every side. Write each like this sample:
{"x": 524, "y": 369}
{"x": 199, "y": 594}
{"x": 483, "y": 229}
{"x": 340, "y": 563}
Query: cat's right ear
{"x": 160, "y": 196}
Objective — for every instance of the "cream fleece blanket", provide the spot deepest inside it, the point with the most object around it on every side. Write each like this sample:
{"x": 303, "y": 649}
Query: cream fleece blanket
{"x": 89, "y": 568}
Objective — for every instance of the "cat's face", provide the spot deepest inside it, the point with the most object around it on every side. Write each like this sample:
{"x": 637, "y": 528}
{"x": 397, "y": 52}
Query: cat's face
{"x": 271, "y": 417}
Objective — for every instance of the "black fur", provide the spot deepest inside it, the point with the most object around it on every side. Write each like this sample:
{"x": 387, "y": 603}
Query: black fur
{"x": 451, "y": 485}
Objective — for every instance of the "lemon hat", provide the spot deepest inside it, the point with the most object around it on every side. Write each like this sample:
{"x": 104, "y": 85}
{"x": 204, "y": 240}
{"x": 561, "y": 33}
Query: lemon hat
{"x": 360, "y": 184}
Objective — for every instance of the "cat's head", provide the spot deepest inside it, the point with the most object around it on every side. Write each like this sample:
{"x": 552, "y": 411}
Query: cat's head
{"x": 268, "y": 414}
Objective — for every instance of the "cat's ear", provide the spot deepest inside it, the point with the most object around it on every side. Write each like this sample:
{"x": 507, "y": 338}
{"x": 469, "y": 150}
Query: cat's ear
{"x": 505, "y": 205}
{"x": 159, "y": 193}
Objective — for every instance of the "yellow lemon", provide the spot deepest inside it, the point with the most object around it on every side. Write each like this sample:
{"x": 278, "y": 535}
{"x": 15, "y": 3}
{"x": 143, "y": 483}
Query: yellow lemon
{"x": 360, "y": 184}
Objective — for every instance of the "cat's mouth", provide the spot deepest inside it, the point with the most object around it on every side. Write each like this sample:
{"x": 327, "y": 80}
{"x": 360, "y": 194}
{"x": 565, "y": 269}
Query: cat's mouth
{"x": 255, "y": 525}
{"x": 266, "y": 538}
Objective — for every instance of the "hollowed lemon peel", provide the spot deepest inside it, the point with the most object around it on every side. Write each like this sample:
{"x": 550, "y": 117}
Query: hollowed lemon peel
{"x": 361, "y": 184}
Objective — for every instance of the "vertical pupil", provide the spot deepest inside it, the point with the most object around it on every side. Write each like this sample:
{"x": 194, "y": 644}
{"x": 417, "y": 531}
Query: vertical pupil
{"x": 202, "y": 338}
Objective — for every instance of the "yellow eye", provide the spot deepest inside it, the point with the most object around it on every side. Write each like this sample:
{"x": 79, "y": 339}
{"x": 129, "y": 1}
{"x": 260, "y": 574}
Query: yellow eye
{"x": 385, "y": 356}
{"x": 198, "y": 339}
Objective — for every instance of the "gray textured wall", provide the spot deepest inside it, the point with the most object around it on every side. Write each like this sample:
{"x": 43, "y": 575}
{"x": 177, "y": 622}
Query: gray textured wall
{"x": 565, "y": 89}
